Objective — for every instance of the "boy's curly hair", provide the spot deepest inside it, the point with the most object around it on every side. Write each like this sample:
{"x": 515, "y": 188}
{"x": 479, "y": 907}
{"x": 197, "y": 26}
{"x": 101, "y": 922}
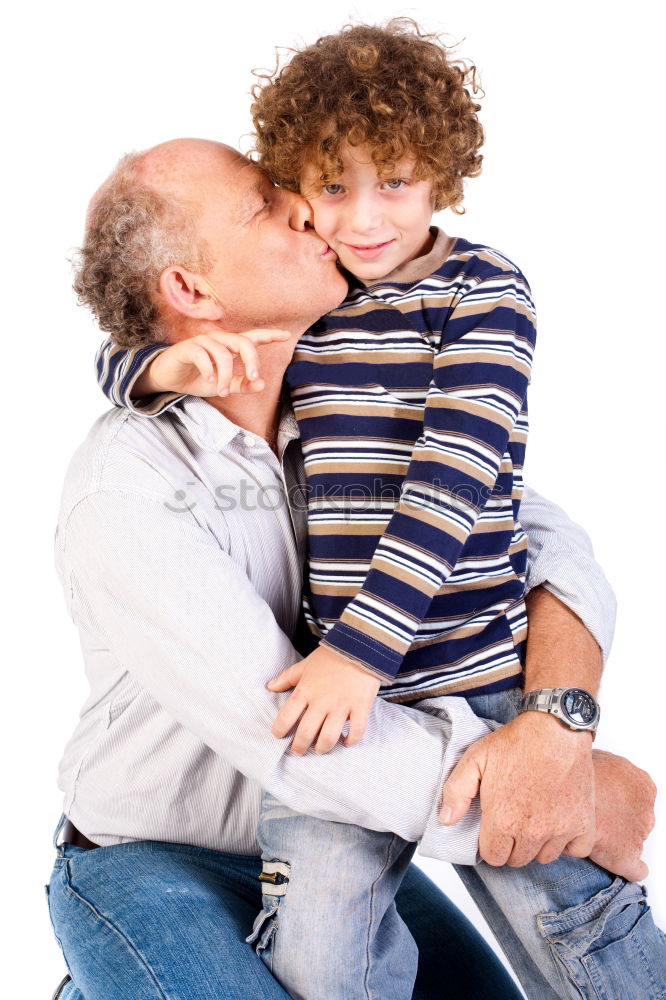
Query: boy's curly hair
{"x": 393, "y": 88}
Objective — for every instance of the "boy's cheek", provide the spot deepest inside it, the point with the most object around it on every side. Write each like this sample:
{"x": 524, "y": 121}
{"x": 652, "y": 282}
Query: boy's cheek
{"x": 323, "y": 230}
{"x": 324, "y": 223}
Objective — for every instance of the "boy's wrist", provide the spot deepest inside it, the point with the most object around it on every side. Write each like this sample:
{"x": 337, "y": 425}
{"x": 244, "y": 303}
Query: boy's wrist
{"x": 346, "y": 658}
{"x": 147, "y": 383}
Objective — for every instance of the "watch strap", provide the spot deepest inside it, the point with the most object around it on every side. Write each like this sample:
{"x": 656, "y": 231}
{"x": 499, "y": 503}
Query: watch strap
{"x": 540, "y": 700}
{"x": 549, "y": 700}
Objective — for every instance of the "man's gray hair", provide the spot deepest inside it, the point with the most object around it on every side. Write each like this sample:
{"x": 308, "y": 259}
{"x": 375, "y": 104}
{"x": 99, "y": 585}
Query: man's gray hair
{"x": 132, "y": 234}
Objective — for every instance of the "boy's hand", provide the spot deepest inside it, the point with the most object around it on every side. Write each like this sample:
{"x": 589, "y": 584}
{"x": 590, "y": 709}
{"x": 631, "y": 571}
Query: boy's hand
{"x": 203, "y": 365}
{"x": 328, "y": 690}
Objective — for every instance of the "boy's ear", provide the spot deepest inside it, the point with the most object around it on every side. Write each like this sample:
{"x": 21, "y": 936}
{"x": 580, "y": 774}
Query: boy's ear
{"x": 189, "y": 293}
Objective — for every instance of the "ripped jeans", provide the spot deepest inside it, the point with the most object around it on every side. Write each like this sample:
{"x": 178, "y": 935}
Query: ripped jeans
{"x": 329, "y": 929}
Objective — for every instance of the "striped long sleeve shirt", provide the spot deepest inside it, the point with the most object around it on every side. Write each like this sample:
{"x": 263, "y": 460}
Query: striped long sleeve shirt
{"x": 411, "y": 399}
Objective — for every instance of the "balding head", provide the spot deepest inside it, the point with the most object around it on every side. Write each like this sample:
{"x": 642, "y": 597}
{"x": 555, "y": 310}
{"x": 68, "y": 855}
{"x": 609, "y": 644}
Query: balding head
{"x": 141, "y": 220}
{"x": 176, "y": 168}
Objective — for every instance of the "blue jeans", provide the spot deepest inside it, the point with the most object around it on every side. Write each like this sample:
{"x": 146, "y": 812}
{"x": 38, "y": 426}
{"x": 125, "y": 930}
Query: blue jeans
{"x": 148, "y": 920}
{"x": 569, "y": 929}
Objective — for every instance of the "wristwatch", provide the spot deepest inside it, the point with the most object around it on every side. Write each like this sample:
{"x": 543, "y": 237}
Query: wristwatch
{"x": 574, "y": 707}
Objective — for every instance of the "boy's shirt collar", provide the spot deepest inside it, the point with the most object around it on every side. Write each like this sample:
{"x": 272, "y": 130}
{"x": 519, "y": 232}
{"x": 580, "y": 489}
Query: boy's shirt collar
{"x": 418, "y": 269}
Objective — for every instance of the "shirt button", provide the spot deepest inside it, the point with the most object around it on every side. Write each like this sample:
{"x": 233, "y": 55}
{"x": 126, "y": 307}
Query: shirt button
{"x": 249, "y": 440}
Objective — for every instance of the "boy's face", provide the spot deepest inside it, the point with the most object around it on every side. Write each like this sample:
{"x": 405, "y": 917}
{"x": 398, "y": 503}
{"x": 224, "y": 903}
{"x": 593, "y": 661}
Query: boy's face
{"x": 373, "y": 223}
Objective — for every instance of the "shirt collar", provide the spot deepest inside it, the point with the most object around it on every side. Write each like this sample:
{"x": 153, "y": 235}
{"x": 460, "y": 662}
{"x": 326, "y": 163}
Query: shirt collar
{"x": 417, "y": 270}
{"x": 212, "y": 431}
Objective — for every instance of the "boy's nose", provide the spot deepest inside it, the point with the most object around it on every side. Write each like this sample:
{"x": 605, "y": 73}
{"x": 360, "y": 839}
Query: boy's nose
{"x": 364, "y": 216}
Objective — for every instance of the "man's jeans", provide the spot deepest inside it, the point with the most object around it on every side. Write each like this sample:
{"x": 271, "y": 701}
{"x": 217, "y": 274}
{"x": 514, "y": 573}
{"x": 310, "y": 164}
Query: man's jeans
{"x": 569, "y": 929}
{"x": 146, "y": 921}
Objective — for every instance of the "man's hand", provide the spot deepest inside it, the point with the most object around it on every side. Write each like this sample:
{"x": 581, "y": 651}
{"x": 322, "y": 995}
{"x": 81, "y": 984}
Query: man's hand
{"x": 536, "y": 782}
{"x": 328, "y": 691}
{"x": 203, "y": 365}
{"x": 625, "y": 815}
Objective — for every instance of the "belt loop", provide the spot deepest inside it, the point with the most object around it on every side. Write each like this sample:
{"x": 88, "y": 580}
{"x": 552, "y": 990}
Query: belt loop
{"x": 61, "y": 823}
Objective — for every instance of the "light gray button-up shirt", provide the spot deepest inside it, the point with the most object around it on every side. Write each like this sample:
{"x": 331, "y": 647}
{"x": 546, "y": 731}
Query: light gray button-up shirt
{"x": 181, "y": 561}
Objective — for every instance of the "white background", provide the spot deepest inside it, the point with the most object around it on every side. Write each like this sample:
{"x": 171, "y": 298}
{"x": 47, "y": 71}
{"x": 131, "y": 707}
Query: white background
{"x": 571, "y": 189}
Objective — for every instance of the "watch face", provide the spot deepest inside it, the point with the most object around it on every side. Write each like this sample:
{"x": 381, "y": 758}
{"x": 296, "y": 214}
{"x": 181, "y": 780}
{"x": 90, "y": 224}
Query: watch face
{"x": 579, "y": 706}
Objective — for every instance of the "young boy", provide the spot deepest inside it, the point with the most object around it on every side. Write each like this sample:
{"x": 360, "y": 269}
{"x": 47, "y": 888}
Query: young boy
{"x": 411, "y": 397}
{"x": 411, "y": 402}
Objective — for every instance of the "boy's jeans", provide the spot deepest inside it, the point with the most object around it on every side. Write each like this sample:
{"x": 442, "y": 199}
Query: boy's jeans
{"x": 330, "y": 931}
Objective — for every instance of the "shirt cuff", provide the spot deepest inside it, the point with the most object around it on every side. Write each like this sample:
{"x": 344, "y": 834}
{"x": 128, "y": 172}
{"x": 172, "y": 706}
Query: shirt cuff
{"x": 366, "y": 652}
{"x": 146, "y": 406}
{"x": 578, "y": 582}
{"x": 458, "y": 844}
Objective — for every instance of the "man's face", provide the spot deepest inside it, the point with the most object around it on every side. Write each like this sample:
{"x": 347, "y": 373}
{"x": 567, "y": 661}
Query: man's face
{"x": 270, "y": 267}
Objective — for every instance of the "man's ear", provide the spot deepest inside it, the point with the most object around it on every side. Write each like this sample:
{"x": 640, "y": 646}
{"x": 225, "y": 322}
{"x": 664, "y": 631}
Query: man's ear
{"x": 189, "y": 293}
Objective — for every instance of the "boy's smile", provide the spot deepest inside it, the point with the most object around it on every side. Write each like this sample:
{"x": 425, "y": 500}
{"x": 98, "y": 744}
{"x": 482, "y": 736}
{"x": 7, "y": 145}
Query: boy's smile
{"x": 373, "y": 223}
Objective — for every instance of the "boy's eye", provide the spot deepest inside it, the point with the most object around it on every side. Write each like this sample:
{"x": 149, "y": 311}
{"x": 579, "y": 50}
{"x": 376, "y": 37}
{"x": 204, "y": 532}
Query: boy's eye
{"x": 332, "y": 188}
{"x": 394, "y": 184}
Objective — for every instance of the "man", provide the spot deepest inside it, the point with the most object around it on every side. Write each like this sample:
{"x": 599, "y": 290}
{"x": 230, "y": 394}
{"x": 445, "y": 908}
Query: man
{"x": 181, "y": 562}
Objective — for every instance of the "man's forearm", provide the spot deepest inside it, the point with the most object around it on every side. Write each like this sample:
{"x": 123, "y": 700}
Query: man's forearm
{"x": 536, "y": 776}
{"x": 561, "y": 652}
{"x": 560, "y": 557}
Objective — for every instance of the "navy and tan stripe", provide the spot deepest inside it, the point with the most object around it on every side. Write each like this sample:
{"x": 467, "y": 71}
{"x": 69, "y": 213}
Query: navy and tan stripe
{"x": 411, "y": 402}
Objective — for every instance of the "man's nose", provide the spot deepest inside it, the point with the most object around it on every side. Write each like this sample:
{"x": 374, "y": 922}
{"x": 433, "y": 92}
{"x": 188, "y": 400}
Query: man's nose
{"x": 300, "y": 212}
